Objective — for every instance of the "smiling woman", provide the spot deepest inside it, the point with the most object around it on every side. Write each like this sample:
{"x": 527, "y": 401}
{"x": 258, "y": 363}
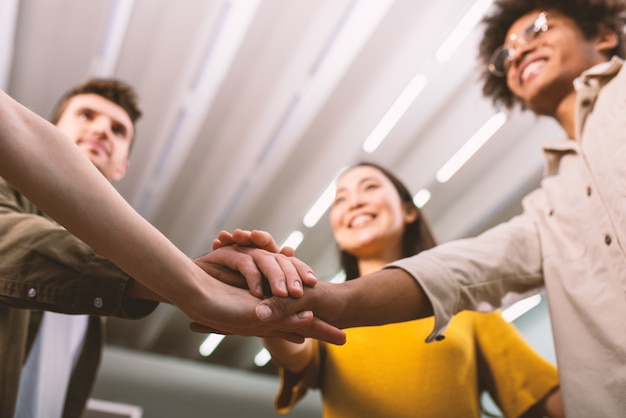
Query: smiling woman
{"x": 388, "y": 370}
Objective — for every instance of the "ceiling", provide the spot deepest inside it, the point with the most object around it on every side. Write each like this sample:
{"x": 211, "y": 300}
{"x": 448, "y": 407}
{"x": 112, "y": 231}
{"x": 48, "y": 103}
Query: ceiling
{"x": 252, "y": 106}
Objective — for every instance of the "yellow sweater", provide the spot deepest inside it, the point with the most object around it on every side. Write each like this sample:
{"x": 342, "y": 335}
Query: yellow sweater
{"x": 389, "y": 371}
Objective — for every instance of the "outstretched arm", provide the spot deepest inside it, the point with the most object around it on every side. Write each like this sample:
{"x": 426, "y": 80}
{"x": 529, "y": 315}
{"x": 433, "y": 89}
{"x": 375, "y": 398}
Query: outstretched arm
{"x": 389, "y": 295}
{"x": 386, "y": 296}
{"x": 41, "y": 162}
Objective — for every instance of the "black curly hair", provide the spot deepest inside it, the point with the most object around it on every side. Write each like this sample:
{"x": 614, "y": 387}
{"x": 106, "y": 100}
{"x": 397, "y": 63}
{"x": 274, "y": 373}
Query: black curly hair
{"x": 417, "y": 235}
{"x": 590, "y": 15}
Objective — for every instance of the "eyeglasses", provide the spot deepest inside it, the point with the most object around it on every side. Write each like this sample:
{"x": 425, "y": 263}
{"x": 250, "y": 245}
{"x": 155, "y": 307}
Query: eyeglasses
{"x": 502, "y": 57}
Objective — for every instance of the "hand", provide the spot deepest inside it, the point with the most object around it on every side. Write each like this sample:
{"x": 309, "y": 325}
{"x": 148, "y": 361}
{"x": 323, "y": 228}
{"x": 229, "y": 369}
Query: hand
{"x": 386, "y": 296}
{"x": 285, "y": 275}
{"x": 255, "y": 238}
{"x": 225, "y": 309}
{"x": 326, "y": 300}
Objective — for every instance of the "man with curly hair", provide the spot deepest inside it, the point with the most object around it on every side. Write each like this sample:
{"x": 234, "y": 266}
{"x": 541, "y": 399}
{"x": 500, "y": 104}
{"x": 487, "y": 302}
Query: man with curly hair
{"x": 563, "y": 59}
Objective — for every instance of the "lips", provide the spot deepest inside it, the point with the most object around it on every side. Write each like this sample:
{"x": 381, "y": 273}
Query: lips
{"x": 530, "y": 68}
{"x": 360, "y": 220}
{"x": 94, "y": 146}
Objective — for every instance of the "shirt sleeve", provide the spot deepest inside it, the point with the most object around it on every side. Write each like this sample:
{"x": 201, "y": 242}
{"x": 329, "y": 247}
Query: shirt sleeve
{"x": 293, "y": 386}
{"x": 43, "y": 266}
{"x": 515, "y": 375}
{"x": 496, "y": 268}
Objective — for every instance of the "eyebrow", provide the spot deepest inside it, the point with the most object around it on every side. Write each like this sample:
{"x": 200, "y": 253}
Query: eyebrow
{"x": 116, "y": 123}
{"x": 363, "y": 180}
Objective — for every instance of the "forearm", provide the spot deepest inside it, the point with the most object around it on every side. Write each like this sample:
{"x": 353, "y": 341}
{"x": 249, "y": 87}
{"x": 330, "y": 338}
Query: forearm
{"x": 41, "y": 162}
{"x": 387, "y": 296}
{"x": 291, "y": 356}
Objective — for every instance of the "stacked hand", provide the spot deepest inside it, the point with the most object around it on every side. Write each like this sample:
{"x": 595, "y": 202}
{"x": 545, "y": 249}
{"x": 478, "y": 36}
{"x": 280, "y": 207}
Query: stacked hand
{"x": 251, "y": 267}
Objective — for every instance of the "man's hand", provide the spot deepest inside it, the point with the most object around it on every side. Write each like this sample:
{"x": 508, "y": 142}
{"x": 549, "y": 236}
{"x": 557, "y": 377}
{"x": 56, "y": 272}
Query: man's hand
{"x": 247, "y": 266}
{"x": 225, "y": 309}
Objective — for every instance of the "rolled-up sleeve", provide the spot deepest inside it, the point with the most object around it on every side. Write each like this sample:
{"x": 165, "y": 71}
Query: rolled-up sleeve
{"x": 494, "y": 269}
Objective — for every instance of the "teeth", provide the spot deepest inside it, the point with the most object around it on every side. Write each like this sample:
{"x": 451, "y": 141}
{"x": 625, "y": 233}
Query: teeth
{"x": 360, "y": 220}
{"x": 532, "y": 69}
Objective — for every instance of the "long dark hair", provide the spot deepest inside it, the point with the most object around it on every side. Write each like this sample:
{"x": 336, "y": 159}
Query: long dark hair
{"x": 417, "y": 236}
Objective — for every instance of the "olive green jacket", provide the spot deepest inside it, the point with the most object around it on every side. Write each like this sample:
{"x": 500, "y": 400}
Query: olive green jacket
{"x": 44, "y": 267}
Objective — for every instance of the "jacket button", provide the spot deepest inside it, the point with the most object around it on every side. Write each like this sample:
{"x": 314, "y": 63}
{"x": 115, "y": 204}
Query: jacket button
{"x": 588, "y": 191}
{"x": 607, "y": 239}
{"x": 97, "y": 302}
{"x": 585, "y": 102}
{"x": 32, "y": 292}
{"x": 440, "y": 337}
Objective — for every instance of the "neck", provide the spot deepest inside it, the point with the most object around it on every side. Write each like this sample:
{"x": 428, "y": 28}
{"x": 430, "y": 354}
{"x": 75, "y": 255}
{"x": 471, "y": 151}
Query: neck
{"x": 566, "y": 115}
{"x": 370, "y": 266}
{"x": 376, "y": 262}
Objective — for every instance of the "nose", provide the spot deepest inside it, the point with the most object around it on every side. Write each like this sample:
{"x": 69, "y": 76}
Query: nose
{"x": 518, "y": 51}
{"x": 101, "y": 126}
{"x": 355, "y": 201}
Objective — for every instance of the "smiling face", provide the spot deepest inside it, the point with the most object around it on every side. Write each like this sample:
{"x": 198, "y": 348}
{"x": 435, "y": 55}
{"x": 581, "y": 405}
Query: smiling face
{"x": 102, "y": 130}
{"x": 543, "y": 71}
{"x": 368, "y": 217}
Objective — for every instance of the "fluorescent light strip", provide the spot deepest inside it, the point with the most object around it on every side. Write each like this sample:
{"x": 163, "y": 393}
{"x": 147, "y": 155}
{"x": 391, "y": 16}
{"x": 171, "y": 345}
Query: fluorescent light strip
{"x": 293, "y": 240}
{"x": 321, "y": 205}
{"x": 421, "y": 198}
{"x": 210, "y": 344}
{"x": 395, "y": 112}
{"x": 104, "y": 64}
{"x": 262, "y": 358}
{"x": 460, "y": 31}
{"x": 9, "y": 10}
{"x": 466, "y": 152}
{"x": 518, "y": 309}
{"x": 339, "y": 277}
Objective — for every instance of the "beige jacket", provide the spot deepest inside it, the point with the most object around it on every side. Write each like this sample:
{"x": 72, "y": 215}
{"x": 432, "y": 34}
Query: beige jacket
{"x": 570, "y": 239}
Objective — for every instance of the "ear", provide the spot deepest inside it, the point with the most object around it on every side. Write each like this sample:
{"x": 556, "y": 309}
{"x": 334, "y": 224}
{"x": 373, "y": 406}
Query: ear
{"x": 606, "y": 40}
{"x": 411, "y": 213}
{"x": 121, "y": 170}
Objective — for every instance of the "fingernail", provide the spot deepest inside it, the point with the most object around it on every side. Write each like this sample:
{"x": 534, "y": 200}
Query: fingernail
{"x": 311, "y": 275}
{"x": 282, "y": 286}
{"x": 297, "y": 284}
{"x": 263, "y": 312}
{"x": 305, "y": 314}
{"x": 259, "y": 289}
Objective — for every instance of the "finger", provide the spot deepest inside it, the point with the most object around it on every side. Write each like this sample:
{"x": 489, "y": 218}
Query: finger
{"x": 281, "y": 309}
{"x": 216, "y": 244}
{"x": 235, "y": 259}
{"x": 203, "y": 329}
{"x": 270, "y": 267}
{"x": 292, "y": 277}
{"x": 305, "y": 272}
{"x": 242, "y": 237}
{"x": 226, "y": 238}
{"x": 264, "y": 240}
{"x": 323, "y": 331}
{"x": 304, "y": 324}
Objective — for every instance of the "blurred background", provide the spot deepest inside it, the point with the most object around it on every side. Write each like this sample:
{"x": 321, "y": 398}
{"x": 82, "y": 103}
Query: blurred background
{"x": 251, "y": 108}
